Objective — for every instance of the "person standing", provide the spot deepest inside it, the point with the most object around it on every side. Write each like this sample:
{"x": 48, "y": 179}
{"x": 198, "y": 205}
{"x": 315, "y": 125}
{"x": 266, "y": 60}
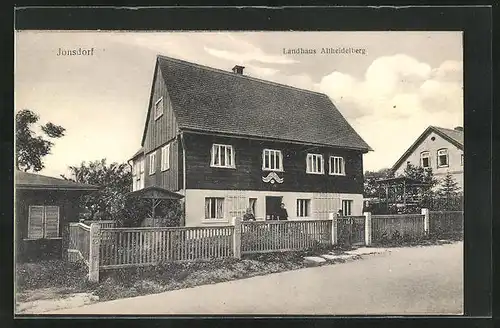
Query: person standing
{"x": 282, "y": 213}
{"x": 249, "y": 215}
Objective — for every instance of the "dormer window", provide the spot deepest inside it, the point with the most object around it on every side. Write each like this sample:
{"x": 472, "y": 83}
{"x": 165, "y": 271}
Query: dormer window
{"x": 158, "y": 110}
{"x": 222, "y": 156}
{"x": 425, "y": 159}
{"x": 442, "y": 157}
{"x": 315, "y": 164}
{"x": 272, "y": 160}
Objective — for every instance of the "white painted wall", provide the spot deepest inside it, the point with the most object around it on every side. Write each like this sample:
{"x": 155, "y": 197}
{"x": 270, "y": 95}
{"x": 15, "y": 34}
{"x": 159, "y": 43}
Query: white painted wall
{"x": 236, "y": 202}
{"x": 432, "y": 146}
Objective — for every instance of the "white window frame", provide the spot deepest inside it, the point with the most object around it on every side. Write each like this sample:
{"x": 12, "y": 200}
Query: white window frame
{"x": 347, "y": 201}
{"x": 313, "y": 157}
{"x": 223, "y": 151}
{"x": 333, "y": 169}
{"x": 425, "y": 154}
{"x": 439, "y": 153}
{"x": 44, "y": 222}
{"x": 165, "y": 158}
{"x": 277, "y": 157}
{"x": 158, "y": 114}
{"x": 303, "y": 204}
{"x": 216, "y": 200}
{"x": 152, "y": 163}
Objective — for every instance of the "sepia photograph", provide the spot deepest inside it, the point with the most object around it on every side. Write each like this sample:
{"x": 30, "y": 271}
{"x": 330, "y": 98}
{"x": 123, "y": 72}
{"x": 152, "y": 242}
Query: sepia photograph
{"x": 239, "y": 173}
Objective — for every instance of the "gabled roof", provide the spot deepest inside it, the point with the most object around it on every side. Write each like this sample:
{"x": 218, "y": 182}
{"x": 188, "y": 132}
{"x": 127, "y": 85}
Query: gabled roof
{"x": 211, "y": 100}
{"x": 25, "y": 180}
{"x": 155, "y": 192}
{"x": 137, "y": 153}
{"x": 455, "y": 137}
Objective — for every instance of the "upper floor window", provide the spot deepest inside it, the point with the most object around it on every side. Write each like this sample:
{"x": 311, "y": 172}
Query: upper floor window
{"x": 442, "y": 157}
{"x": 165, "y": 158}
{"x": 222, "y": 156}
{"x": 315, "y": 164}
{"x": 152, "y": 163}
{"x": 425, "y": 159}
{"x": 337, "y": 166}
{"x": 272, "y": 160}
{"x": 158, "y": 108}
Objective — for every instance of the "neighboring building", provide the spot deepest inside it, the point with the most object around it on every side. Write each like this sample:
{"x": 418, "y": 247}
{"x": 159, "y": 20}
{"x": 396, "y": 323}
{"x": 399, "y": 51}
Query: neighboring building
{"x": 44, "y": 206}
{"x": 227, "y": 142}
{"x": 437, "y": 148}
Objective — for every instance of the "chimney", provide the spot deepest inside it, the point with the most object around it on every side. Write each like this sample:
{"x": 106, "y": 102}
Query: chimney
{"x": 458, "y": 128}
{"x": 238, "y": 69}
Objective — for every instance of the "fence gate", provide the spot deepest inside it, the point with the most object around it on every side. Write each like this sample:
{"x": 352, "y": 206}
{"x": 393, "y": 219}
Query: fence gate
{"x": 351, "y": 230}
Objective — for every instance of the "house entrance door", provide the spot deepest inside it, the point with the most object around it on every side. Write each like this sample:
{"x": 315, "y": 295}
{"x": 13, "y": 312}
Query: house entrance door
{"x": 273, "y": 205}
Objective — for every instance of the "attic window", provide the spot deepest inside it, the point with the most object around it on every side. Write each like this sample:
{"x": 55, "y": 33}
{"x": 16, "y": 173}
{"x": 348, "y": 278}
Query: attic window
{"x": 158, "y": 108}
{"x": 425, "y": 160}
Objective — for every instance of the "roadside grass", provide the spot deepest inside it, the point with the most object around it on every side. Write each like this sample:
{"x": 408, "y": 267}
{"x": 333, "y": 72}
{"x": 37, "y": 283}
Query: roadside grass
{"x": 406, "y": 240}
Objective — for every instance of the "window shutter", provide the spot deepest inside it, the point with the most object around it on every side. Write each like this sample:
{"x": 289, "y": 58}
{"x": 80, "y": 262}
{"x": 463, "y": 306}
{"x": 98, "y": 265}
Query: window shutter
{"x": 35, "y": 222}
{"x": 51, "y": 221}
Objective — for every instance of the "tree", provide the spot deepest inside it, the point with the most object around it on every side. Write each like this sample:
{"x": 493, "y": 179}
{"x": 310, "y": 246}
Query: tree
{"x": 110, "y": 201}
{"x": 449, "y": 192}
{"x": 424, "y": 176}
{"x": 371, "y": 187}
{"x": 30, "y": 148}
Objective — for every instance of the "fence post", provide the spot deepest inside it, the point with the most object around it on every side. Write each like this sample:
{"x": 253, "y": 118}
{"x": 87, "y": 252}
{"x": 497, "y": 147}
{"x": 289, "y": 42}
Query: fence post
{"x": 95, "y": 240}
{"x": 237, "y": 238}
{"x": 368, "y": 228}
{"x": 333, "y": 218}
{"x": 425, "y": 213}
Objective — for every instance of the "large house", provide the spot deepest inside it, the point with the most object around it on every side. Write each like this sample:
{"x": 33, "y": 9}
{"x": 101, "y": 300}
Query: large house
{"x": 438, "y": 148}
{"x": 228, "y": 142}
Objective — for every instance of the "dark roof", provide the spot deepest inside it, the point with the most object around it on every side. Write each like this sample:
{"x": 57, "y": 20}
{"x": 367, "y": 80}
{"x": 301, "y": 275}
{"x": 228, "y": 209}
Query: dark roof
{"x": 137, "y": 153}
{"x": 455, "y": 137}
{"x": 212, "y": 100}
{"x": 24, "y": 180}
{"x": 155, "y": 192}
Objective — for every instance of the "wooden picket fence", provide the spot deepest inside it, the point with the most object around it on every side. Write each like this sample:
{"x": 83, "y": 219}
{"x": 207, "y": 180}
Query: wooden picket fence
{"x": 125, "y": 247}
{"x": 388, "y": 227}
{"x": 102, "y": 223}
{"x": 445, "y": 223}
{"x": 79, "y": 242}
{"x": 351, "y": 230}
{"x": 273, "y": 236}
{"x": 110, "y": 247}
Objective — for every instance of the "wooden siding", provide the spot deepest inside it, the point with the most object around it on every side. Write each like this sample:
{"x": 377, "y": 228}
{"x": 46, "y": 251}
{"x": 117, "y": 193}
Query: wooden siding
{"x": 248, "y": 173}
{"x": 159, "y": 131}
{"x": 168, "y": 179}
{"x": 43, "y": 248}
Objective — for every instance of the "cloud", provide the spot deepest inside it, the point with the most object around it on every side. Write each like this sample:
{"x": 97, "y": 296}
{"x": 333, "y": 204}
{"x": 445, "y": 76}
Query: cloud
{"x": 240, "y": 51}
{"x": 393, "y": 103}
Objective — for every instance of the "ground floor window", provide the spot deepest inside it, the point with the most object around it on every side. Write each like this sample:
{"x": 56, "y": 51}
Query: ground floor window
{"x": 347, "y": 207}
{"x": 303, "y": 208}
{"x": 43, "y": 222}
{"x": 252, "y": 203}
{"x": 214, "y": 208}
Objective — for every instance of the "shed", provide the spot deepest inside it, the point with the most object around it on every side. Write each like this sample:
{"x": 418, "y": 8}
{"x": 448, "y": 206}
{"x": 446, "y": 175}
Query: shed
{"x": 44, "y": 206}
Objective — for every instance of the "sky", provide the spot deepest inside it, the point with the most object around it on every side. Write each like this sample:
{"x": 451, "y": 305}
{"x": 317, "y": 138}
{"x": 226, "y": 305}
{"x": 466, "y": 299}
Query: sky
{"x": 397, "y": 84}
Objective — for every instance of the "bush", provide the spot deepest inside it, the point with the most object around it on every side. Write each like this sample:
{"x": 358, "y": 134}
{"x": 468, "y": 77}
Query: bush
{"x": 54, "y": 273}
